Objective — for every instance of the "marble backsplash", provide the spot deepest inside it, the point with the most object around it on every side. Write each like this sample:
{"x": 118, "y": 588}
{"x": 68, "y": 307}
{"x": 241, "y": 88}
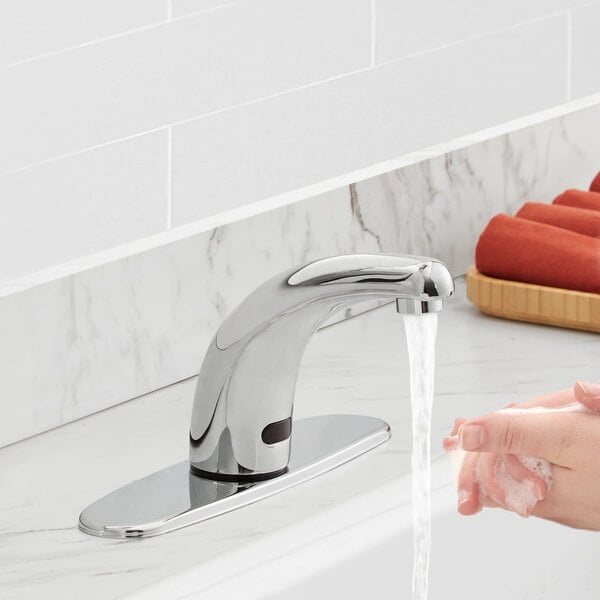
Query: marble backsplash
{"x": 87, "y": 341}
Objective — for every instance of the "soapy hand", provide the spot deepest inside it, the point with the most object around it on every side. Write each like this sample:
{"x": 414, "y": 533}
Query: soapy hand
{"x": 563, "y": 429}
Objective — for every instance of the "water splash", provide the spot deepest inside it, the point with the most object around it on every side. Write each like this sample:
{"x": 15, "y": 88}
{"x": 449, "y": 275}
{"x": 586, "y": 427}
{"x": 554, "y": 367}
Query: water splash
{"x": 420, "y": 336}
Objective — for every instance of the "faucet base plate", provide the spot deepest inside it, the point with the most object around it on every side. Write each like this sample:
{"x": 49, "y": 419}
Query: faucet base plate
{"x": 174, "y": 497}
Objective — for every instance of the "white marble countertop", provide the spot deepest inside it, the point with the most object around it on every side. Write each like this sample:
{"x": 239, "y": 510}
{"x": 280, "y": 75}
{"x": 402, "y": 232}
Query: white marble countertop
{"x": 358, "y": 367}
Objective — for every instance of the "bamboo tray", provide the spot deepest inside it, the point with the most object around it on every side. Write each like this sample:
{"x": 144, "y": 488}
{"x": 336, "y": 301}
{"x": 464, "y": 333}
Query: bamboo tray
{"x": 533, "y": 303}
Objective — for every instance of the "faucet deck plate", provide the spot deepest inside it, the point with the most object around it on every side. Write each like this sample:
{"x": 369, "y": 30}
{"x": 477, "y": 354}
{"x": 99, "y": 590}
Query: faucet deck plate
{"x": 174, "y": 497}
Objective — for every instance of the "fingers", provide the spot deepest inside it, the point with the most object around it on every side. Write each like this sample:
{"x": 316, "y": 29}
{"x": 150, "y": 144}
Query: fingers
{"x": 492, "y": 473}
{"x": 532, "y": 487}
{"x": 456, "y": 427}
{"x": 521, "y": 473}
{"x": 487, "y": 479}
{"x": 507, "y": 483}
{"x": 468, "y": 487}
{"x": 550, "y": 436}
{"x": 488, "y": 472}
{"x": 450, "y": 444}
{"x": 553, "y": 400}
{"x": 588, "y": 394}
{"x": 558, "y": 504}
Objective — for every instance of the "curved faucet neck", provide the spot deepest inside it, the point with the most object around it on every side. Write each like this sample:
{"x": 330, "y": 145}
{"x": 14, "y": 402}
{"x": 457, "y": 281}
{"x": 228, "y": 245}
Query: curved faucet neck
{"x": 241, "y": 420}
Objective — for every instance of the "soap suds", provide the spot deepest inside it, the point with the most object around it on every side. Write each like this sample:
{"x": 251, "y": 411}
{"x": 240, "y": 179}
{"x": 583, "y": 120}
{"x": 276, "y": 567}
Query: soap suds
{"x": 520, "y": 496}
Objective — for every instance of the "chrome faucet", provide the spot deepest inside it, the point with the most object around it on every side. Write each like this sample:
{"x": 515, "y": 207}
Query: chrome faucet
{"x": 242, "y": 415}
{"x": 241, "y": 447}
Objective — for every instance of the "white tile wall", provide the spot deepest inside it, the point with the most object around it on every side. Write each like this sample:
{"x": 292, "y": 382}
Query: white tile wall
{"x": 82, "y": 204}
{"x": 176, "y": 71}
{"x": 100, "y": 336}
{"x": 586, "y": 50}
{"x": 30, "y": 28}
{"x": 267, "y": 148}
{"x": 263, "y": 96}
{"x": 406, "y": 27}
{"x": 186, "y": 7}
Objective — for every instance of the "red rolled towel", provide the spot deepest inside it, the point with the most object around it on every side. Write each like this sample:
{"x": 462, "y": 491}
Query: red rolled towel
{"x": 595, "y": 187}
{"x": 579, "y": 199}
{"x": 580, "y": 220}
{"x": 521, "y": 250}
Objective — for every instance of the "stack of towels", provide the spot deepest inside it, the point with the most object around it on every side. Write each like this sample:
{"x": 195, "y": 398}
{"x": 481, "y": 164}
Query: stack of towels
{"x": 556, "y": 245}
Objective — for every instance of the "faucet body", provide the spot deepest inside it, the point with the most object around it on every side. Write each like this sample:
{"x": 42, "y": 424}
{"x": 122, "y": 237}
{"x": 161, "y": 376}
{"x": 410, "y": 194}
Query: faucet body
{"x": 241, "y": 431}
{"x": 242, "y": 415}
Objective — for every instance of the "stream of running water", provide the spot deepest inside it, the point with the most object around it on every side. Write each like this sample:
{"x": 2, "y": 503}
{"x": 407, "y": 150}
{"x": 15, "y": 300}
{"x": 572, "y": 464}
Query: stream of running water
{"x": 420, "y": 336}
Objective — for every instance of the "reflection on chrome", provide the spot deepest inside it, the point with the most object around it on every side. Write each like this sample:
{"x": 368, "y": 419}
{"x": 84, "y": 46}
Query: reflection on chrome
{"x": 241, "y": 432}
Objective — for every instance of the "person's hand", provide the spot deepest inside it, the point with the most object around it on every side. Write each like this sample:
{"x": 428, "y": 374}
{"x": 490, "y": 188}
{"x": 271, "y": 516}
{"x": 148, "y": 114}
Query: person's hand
{"x": 569, "y": 439}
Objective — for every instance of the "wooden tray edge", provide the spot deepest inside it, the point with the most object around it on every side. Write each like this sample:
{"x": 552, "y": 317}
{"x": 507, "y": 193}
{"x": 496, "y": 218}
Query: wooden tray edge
{"x": 533, "y": 303}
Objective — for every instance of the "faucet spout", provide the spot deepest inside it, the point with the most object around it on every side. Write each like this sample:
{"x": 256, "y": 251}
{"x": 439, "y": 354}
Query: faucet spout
{"x": 242, "y": 415}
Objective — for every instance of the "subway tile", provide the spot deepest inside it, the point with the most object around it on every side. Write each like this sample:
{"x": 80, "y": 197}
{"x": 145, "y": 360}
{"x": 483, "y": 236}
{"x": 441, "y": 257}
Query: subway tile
{"x": 127, "y": 326}
{"x": 271, "y": 147}
{"x": 185, "y": 68}
{"x": 30, "y": 28}
{"x": 410, "y": 26}
{"x": 71, "y": 207}
{"x": 186, "y": 7}
{"x": 586, "y": 51}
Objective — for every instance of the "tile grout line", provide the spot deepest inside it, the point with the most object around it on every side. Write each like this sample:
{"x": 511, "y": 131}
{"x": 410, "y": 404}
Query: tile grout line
{"x": 373, "y": 32}
{"x": 73, "y": 48}
{"x": 184, "y": 231}
{"x": 217, "y": 111}
{"x": 476, "y": 37}
{"x": 281, "y": 93}
{"x": 270, "y": 96}
{"x": 120, "y": 34}
{"x": 170, "y": 177}
{"x": 569, "y": 90}
{"x": 170, "y": 18}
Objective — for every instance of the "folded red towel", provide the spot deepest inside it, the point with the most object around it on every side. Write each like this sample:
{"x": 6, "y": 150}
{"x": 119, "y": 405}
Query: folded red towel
{"x": 580, "y": 220}
{"x": 522, "y": 250}
{"x": 595, "y": 187}
{"x": 579, "y": 199}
